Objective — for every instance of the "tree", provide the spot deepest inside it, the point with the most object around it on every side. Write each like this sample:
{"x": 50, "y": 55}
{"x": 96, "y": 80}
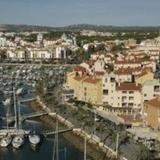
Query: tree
{"x": 3, "y": 55}
{"x": 40, "y": 88}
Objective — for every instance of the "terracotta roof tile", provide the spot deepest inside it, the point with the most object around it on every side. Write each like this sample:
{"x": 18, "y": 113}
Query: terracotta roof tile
{"x": 125, "y": 86}
{"x": 79, "y": 78}
{"x": 92, "y": 79}
{"x": 98, "y": 73}
{"x": 79, "y": 68}
{"x": 154, "y": 102}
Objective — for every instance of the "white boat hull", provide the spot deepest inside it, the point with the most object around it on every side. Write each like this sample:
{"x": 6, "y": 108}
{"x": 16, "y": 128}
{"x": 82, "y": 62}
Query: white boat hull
{"x": 6, "y": 141}
{"x": 34, "y": 139}
{"x": 17, "y": 142}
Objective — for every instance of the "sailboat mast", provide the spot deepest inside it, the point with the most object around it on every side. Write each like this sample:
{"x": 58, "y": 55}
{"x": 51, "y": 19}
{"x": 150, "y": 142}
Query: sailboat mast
{"x": 85, "y": 141}
{"x": 7, "y": 117}
{"x": 15, "y": 108}
{"x": 19, "y": 115}
{"x": 57, "y": 149}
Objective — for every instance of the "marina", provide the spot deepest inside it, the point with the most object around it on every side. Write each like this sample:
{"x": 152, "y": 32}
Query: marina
{"x": 22, "y": 133}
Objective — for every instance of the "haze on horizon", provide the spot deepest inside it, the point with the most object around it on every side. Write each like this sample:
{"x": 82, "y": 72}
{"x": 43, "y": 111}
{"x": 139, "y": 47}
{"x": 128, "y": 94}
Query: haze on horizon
{"x": 67, "y": 12}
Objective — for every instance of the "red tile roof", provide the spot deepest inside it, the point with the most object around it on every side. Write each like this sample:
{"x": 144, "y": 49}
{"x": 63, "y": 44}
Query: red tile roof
{"x": 92, "y": 79}
{"x": 98, "y": 73}
{"x": 79, "y": 78}
{"x": 154, "y": 102}
{"x": 79, "y": 68}
{"x": 127, "y": 86}
{"x": 123, "y": 71}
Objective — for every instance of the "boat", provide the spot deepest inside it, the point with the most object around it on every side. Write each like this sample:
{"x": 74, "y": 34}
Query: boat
{"x": 19, "y": 91}
{"x": 56, "y": 145}
{"x": 7, "y": 102}
{"x": 5, "y": 141}
{"x": 34, "y": 139}
{"x": 18, "y": 141}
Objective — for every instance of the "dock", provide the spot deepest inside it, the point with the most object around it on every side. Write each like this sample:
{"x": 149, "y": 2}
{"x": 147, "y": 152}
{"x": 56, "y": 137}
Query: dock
{"x": 49, "y": 133}
{"x": 13, "y": 132}
{"x": 26, "y": 116}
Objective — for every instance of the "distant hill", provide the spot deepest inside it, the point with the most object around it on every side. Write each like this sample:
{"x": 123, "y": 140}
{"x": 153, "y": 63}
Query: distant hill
{"x": 112, "y": 28}
{"x": 19, "y": 28}
{"x": 78, "y": 27}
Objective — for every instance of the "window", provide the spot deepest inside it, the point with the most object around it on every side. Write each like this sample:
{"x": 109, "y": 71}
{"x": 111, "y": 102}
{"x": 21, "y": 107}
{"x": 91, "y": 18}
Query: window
{"x": 131, "y": 98}
{"x": 112, "y": 79}
{"x": 131, "y": 92}
{"x": 124, "y": 91}
{"x": 124, "y": 98}
{"x": 106, "y": 80}
{"x": 105, "y": 92}
{"x": 145, "y": 95}
{"x": 124, "y": 104}
{"x": 130, "y": 104}
{"x": 157, "y": 88}
{"x": 155, "y": 95}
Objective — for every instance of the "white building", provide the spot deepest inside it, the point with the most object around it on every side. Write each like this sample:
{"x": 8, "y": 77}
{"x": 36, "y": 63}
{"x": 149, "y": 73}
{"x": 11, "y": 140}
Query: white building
{"x": 40, "y": 54}
{"x": 40, "y": 37}
{"x": 109, "y": 89}
{"x": 61, "y": 53}
{"x": 151, "y": 89}
{"x": 129, "y": 95}
{"x": 3, "y": 41}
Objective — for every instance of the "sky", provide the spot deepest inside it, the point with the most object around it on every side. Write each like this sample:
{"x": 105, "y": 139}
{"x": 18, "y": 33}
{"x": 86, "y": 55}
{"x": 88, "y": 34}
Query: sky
{"x": 68, "y": 12}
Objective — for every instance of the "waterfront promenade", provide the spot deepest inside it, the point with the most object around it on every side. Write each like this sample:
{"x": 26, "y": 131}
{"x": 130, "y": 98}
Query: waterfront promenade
{"x": 92, "y": 139}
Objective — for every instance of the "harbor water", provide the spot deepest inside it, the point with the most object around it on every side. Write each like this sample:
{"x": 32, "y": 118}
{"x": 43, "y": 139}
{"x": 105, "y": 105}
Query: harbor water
{"x": 45, "y": 150}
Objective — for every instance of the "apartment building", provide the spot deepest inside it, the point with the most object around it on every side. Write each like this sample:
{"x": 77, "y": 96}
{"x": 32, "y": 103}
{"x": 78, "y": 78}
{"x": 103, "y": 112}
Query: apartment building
{"x": 61, "y": 53}
{"x": 108, "y": 89}
{"x": 151, "y": 89}
{"x": 86, "y": 88}
{"x": 129, "y": 95}
{"x": 124, "y": 75}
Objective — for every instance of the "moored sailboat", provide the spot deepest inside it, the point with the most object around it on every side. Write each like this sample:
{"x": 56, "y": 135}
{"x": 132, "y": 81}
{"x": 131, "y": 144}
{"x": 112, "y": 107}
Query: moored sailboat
{"x": 34, "y": 139}
{"x": 6, "y": 141}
